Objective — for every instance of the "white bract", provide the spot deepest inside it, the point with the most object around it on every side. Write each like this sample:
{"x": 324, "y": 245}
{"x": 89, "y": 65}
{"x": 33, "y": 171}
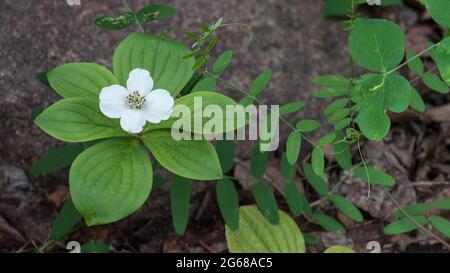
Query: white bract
{"x": 136, "y": 104}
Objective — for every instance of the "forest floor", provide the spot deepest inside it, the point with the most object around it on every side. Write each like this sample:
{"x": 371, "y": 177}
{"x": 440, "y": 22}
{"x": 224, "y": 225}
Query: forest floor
{"x": 296, "y": 43}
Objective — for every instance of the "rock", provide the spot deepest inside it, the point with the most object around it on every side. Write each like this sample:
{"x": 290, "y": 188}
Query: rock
{"x": 15, "y": 188}
{"x": 10, "y": 238}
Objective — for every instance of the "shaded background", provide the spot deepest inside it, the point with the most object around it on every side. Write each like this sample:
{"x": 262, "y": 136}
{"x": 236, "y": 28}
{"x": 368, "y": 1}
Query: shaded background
{"x": 292, "y": 38}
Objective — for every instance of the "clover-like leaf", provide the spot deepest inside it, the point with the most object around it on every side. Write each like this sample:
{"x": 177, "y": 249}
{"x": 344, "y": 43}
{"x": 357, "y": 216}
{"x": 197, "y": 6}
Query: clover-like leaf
{"x": 377, "y": 44}
{"x": 438, "y": 10}
{"x": 110, "y": 180}
{"x": 162, "y": 57}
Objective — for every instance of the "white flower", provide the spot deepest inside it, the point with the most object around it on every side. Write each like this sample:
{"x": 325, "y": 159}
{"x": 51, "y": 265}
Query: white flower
{"x": 136, "y": 104}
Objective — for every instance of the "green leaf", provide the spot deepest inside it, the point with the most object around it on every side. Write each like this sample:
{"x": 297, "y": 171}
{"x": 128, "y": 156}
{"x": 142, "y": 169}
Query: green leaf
{"x": 162, "y": 57}
{"x": 225, "y": 150}
{"x": 329, "y": 92}
{"x": 188, "y": 121}
{"x": 343, "y": 124}
{"x": 318, "y": 161}
{"x": 317, "y": 182}
{"x": 404, "y": 225}
{"x": 416, "y": 101}
{"x": 339, "y": 249}
{"x": 328, "y": 223}
{"x": 342, "y": 152}
{"x": 375, "y": 176}
{"x": 180, "y": 193}
{"x": 258, "y": 162}
{"x": 336, "y": 106}
{"x": 391, "y": 92}
{"x": 78, "y": 120}
{"x": 123, "y": 20}
{"x": 293, "y": 144}
{"x": 155, "y": 12}
{"x": 267, "y": 204}
{"x": 80, "y": 80}
{"x": 42, "y": 78}
{"x": 95, "y": 247}
{"x": 443, "y": 203}
{"x": 228, "y": 200}
{"x": 347, "y": 207}
{"x": 326, "y": 139}
{"x": 158, "y": 181}
{"x": 256, "y": 235}
{"x": 413, "y": 209}
{"x": 65, "y": 222}
{"x": 294, "y": 199}
{"x": 331, "y": 80}
{"x": 110, "y": 180}
{"x": 338, "y": 116}
{"x": 311, "y": 239}
{"x": 376, "y": 44}
{"x": 291, "y": 107}
{"x": 287, "y": 170}
{"x": 260, "y": 83}
{"x": 415, "y": 65}
{"x": 307, "y": 125}
{"x": 222, "y": 62}
{"x": 442, "y": 59}
{"x": 441, "y": 224}
{"x": 338, "y": 8}
{"x": 194, "y": 159}
{"x": 435, "y": 83}
{"x": 438, "y": 10}
{"x": 205, "y": 84}
{"x": 56, "y": 159}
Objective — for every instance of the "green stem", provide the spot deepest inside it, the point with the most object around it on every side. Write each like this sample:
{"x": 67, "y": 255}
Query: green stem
{"x": 135, "y": 17}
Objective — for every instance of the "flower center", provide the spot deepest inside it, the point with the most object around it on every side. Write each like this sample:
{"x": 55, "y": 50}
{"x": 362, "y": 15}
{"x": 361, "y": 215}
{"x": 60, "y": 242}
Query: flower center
{"x": 135, "y": 100}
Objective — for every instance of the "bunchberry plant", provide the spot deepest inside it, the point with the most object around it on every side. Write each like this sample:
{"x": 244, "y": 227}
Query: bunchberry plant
{"x": 123, "y": 119}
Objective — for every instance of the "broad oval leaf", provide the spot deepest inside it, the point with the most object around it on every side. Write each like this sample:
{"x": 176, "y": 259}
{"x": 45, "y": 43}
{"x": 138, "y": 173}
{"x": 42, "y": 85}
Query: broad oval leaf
{"x": 416, "y": 101}
{"x": 336, "y": 105}
{"x": 438, "y": 10}
{"x": 377, "y": 44}
{"x": 162, "y": 57}
{"x": 194, "y": 159}
{"x": 288, "y": 170}
{"x": 331, "y": 80}
{"x": 404, "y": 225}
{"x": 293, "y": 144}
{"x": 265, "y": 199}
{"x": 228, "y": 200}
{"x": 415, "y": 64}
{"x": 110, "y": 180}
{"x": 180, "y": 193}
{"x": 56, "y": 159}
{"x": 80, "y": 80}
{"x": 257, "y": 235}
{"x": 190, "y": 108}
{"x": 77, "y": 120}
{"x": 442, "y": 59}
{"x": 413, "y": 209}
{"x": 65, "y": 222}
{"x": 347, "y": 207}
{"x": 329, "y": 92}
{"x": 374, "y": 176}
{"x": 342, "y": 152}
{"x": 326, "y": 139}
